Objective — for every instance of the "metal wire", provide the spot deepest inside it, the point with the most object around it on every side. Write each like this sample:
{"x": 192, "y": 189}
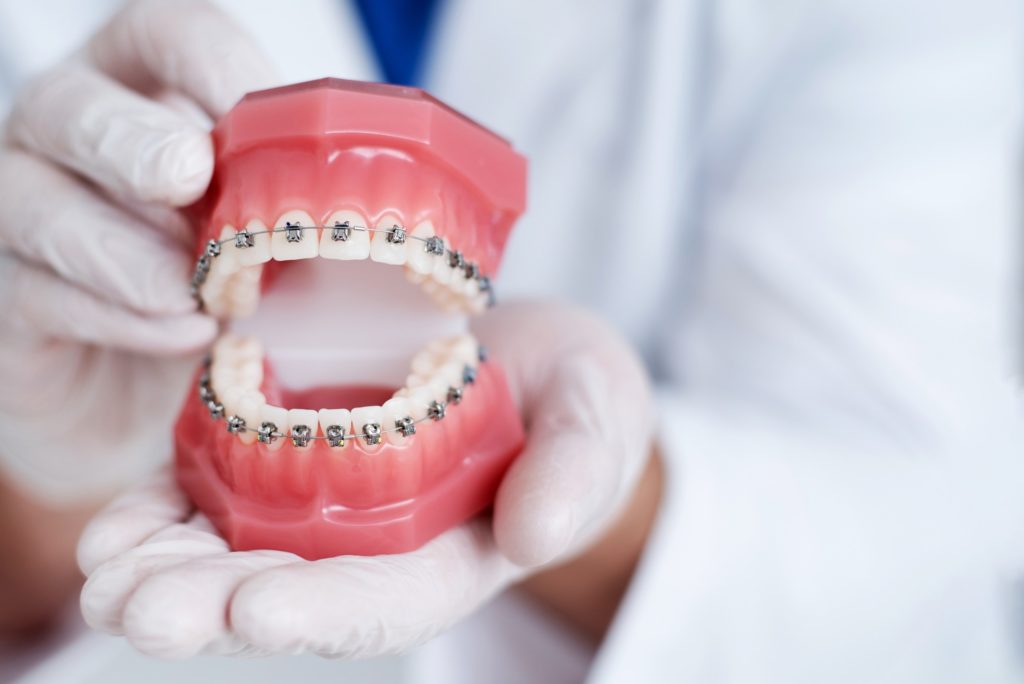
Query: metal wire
{"x": 455, "y": 258}
{"x": 437, "y": 408}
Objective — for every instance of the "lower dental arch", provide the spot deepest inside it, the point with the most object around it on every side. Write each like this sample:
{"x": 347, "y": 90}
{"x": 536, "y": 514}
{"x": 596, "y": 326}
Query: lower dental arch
{"x": 335, "y": 435}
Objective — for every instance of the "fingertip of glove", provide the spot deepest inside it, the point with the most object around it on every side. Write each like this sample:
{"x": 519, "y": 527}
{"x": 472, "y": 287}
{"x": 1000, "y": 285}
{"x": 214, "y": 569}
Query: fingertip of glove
{"x": 534, "y": 534}
{"x": 160, "y": 622}
{"x": 184, "y": 163}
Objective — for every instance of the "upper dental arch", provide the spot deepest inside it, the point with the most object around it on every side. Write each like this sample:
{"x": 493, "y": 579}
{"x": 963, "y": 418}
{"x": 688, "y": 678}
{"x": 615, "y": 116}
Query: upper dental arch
{"x": 340, "y": 232}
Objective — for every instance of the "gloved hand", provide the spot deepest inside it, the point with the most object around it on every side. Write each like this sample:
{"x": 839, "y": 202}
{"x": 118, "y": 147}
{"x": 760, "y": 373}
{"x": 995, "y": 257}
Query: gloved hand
{"x": 94, "y": 257}
{"x": 161, "y": 575}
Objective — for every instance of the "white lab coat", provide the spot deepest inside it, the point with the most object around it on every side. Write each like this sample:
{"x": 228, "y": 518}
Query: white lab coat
{"x": 805, "y": 214}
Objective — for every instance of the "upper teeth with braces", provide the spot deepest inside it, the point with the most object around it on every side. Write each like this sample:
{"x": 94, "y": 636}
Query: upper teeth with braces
{"x": 341, "y": 231}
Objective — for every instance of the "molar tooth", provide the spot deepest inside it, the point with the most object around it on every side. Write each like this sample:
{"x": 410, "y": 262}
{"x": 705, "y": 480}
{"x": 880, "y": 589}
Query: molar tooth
{"x": 419, "y": 259}
{"x": 368, "y": 422}
{"x": 388, "y": 244}
{"x": 297, "y": 420}
{"x": 256, "y": 237}
{"x": 301, "y": 242}
{"x": 333, "y": 420}
{"x": 395, "y": 411}
{"x": 250, "y": 408}
{"x": 278, "y": 418}
{"x": 355, "y": 246}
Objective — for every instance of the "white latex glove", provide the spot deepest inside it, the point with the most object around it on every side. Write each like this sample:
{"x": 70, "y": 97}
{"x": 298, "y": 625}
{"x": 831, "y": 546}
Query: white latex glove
{"x": 159, "y": 574}
{"x": 95, "y": 260}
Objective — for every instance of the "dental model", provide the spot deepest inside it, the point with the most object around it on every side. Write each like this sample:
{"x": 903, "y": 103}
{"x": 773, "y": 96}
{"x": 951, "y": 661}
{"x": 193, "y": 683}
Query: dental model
{"x": 345, "y": 410}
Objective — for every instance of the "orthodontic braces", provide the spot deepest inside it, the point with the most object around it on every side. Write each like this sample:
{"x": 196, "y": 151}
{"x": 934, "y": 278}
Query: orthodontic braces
{"x": 341, "y": 231}
{"x": 335, "y": 435}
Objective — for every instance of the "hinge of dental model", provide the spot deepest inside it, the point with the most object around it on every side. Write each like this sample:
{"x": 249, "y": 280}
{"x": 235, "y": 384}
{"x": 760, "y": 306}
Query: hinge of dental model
{"x": 341, "y": 231}
{"x": 335, "y": 435}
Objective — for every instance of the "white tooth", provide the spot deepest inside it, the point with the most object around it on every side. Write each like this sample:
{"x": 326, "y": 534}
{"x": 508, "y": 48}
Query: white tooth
{"x": 339, "y": 417}
{"x": 230, "y": 397}
{"x": 478, "y": 304}
{"x": 308, "y": 245}
{"x": 438, "y": 389}
{"x": 451, "y": 373}
{"x": 250, "y": 374}
{"x": 414, "y": 277}
{"x": 305, "y": 417}
{"x": 225, "y": 345}
{"x": 242, "y": 291}
{"x": 458, "y": 282}
{"x": 419, "y": 259}
{"x": 382, "y": 249}
{"x": 364, "y": 415}
{"x": 260, "y": 251}
{"x": 414, "y": 380}
{"x": 224, "y": 376}
{"x": 395, "y": 409}
{"x": 250, "y": 407}
{"x": 358, "y": 244}
{"x": 442, "y": 271}
{"x": 464, "y": 350}
{"x": 227, "y": 257}
{"x": 279, "y": 417}
{"x": 419, "y": 400}
{"x": 442, "y": 346}
{"x": 424, "y": 363}
{"x": 249, "y": 349}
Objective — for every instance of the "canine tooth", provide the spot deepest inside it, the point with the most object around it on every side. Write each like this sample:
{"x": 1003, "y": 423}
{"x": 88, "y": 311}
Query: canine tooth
{"x": 368, "y": 422}
{"x": 395, "y": 411}
{"x": 256, "y": 237}
{"x": 357, "y": 243}
{"x": 442, "y": 272}
{"x": 389, "y": 242}
{"x": 250, "y": 408}
{"x": 249, "y": 349}
{"x": 419, "y": 259}
{"x": 297, "y": 420}
{"x": 299, "y": 240}
{"x": 336, "y": 424}
{"x": 278, "y": 418}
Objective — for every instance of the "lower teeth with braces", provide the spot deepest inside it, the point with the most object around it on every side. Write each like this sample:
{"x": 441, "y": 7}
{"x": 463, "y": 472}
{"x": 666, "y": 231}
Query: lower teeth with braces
{"x": 335, "y": 435}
